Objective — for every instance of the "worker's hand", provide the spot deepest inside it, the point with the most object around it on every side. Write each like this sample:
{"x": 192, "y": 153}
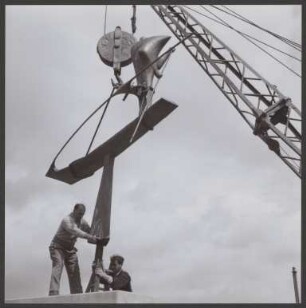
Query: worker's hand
{"x": 97, "y": 264}
{"x": 98, "y": 240}
{"x": 93, "y": 239}
{"x": 109, "y": 272}
{"x": 99, "y": 272}
{"x": 102, "y": 241}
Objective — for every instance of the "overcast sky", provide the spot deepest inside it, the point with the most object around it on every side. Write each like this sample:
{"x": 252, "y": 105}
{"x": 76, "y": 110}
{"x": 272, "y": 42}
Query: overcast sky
{"x": 202, "y": 211}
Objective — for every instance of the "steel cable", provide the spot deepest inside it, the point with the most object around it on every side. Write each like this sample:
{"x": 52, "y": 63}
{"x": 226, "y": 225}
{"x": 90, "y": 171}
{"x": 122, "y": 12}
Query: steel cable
{"x": 245, "y": 36}
{"x": 242, "y": 33}
{"x": 280, "y": 37}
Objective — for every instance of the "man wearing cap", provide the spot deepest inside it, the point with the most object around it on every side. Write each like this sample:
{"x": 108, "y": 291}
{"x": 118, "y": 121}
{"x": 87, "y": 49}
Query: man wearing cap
{"x": 63, "y": 252}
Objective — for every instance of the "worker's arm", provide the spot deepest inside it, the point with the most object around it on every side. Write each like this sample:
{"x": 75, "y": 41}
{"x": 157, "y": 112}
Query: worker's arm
{"x": 103, "y": 276}
{"x": 72, "y": 228}
{"x": 85, "y": 226}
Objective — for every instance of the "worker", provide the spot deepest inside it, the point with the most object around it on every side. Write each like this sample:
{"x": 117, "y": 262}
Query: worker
{"x": 115, "y": 278}
{"x": 63, "y": 252}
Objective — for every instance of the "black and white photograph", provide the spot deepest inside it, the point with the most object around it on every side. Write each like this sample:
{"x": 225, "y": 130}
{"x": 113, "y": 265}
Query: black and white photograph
{"x": 153, "y": 153}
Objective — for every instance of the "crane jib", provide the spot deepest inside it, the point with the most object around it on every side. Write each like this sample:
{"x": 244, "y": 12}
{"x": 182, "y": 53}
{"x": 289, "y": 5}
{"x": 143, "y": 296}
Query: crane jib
{"x": 270, "y": 114}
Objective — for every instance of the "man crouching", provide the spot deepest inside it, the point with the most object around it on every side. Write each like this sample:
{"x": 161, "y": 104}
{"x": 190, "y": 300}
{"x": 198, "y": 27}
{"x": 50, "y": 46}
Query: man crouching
{"x": 115, "y": 278}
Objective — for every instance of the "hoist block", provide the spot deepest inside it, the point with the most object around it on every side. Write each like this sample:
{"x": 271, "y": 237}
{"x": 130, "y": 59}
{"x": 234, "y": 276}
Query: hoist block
{"x": 88, "y": 165}
{"x": 114, "y": 48}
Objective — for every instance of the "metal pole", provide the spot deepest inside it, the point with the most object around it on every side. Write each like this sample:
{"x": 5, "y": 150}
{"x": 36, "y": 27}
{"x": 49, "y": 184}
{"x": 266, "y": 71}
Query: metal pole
{"x": 296, "y": 290}
{"x": 94, "y": 281}
{"x": 98, "y": 258}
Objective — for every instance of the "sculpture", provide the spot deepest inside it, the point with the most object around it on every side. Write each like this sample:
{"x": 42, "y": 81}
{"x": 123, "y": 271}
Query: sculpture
{"x": 119, "y": 49}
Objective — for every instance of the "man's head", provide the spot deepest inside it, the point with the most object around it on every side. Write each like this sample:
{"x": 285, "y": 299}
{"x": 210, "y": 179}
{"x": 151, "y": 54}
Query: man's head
{"x": 79, "y": 211}
{"x": 116, "y": 263}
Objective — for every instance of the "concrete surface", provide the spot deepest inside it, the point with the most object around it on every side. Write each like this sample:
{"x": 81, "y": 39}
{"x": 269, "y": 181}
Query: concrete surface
{"x": 94, "y": 297}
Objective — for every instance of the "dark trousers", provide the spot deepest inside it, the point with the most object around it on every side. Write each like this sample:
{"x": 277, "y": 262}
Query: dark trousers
{"x": 69, "y": 258}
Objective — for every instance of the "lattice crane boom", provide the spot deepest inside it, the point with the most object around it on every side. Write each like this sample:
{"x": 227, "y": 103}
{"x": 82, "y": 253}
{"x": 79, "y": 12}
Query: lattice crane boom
{"x": 271, "y": 115}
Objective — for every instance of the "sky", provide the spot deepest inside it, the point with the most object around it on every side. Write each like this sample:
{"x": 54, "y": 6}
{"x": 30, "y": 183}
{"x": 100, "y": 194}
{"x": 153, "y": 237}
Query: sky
{"x": 202, "y": 211}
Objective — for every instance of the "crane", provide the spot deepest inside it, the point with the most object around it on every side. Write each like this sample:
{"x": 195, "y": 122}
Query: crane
{"x": 271, "y": 115}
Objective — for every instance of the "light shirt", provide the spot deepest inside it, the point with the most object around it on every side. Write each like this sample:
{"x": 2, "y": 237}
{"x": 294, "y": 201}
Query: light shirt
{"x": 69, "y": 230}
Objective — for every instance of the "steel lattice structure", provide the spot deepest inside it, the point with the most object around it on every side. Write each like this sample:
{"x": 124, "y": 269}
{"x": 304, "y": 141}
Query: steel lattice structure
{"x": 271, "y": 115}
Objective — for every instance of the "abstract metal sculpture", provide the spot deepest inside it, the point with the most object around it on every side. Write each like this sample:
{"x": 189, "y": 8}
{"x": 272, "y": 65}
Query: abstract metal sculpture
{"x": 144, "y": 52}
{"x": 119, "y": 49}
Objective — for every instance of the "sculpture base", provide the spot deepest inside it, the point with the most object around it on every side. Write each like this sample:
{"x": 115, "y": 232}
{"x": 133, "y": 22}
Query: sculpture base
{"x": 115, "y": 297}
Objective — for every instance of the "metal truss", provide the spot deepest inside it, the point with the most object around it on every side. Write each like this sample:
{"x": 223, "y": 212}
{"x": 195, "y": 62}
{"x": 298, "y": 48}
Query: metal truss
{"x": 271, "y": 115}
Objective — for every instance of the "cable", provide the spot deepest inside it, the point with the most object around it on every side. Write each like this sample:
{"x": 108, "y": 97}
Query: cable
{"x": 284, "y": 39}
{"x": 105, "y": 15}
{"x": 280, "y": 62}
{"x": 242, "y": 33}
{"x": 240, "y": 17}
